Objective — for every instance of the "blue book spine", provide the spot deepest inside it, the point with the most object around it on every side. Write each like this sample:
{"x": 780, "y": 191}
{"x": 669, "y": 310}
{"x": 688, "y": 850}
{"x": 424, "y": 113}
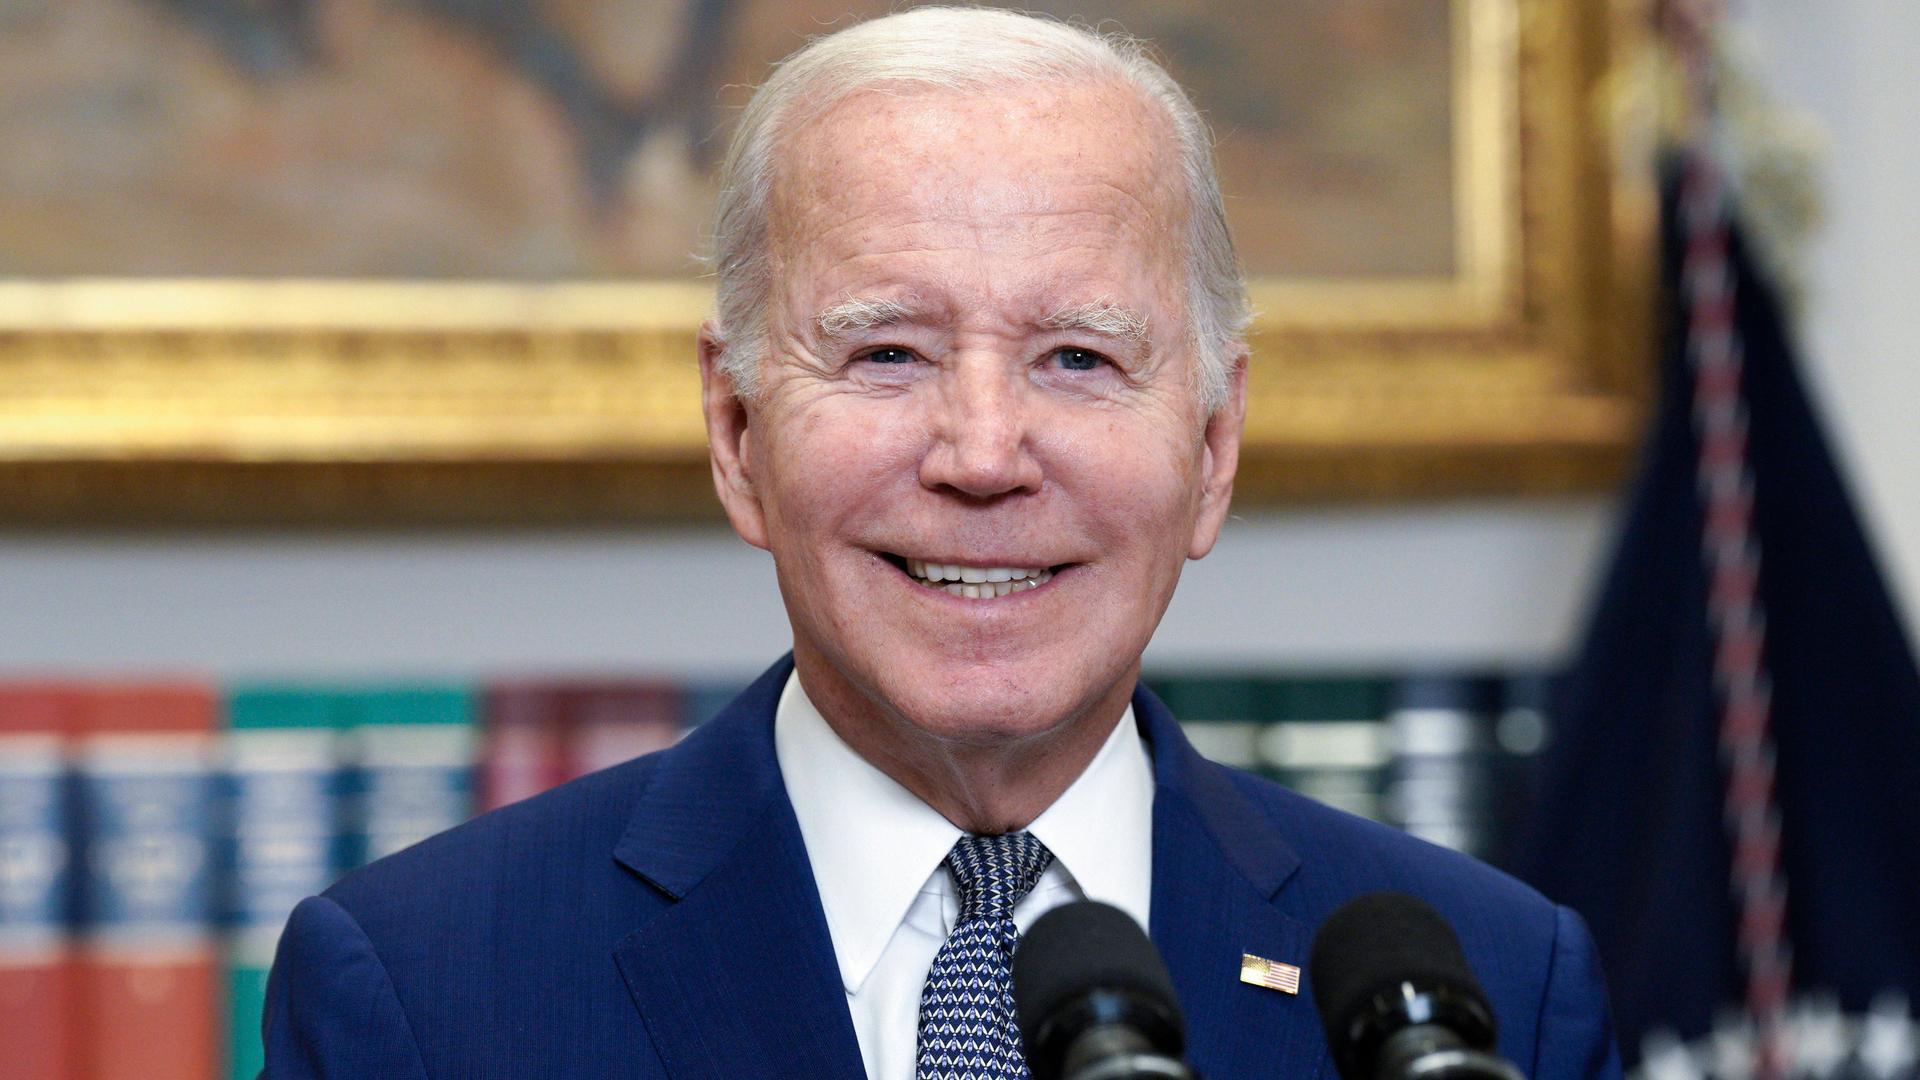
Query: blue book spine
{"x": 37, "y": 1023}
{"x": 148, "y": 957}
{"x": 149, "y": 805}
{"x": 36, "y": 862}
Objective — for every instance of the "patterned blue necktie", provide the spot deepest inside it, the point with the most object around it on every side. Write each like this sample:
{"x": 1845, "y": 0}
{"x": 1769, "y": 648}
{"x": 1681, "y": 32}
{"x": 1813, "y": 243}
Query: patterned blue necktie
{"x": 967, "y": 1025}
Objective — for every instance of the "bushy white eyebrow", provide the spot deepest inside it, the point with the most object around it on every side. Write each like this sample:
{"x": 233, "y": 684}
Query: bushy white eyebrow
{"x": 1100, "y": 317}
{"x": 857, "y": 313}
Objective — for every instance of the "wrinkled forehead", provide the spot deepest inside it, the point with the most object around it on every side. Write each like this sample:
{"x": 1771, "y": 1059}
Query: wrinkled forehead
{"x": 1000, "y": 158}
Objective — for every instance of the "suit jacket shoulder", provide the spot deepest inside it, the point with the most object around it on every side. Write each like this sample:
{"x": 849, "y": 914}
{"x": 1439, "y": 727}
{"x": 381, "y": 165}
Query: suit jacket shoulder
{"x": 1534, "y": 958}
{"x": 487, "y": 950}
{"x": 657, "y": 919}
{"x": 1341, "y": 854}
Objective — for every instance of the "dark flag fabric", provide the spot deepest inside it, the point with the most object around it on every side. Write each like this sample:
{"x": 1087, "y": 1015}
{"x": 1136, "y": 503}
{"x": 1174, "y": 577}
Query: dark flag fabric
{"x": 1731, "y": 796}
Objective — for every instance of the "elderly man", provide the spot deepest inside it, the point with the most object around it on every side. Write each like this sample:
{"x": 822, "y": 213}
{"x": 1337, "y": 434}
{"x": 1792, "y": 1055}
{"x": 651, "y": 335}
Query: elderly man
{"x": 975, "y": 381}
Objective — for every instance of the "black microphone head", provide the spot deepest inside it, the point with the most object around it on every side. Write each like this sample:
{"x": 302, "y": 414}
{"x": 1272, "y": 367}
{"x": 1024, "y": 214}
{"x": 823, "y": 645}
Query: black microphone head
{"x": 1085, "y": 963}
{"x": 1361, "y": 957}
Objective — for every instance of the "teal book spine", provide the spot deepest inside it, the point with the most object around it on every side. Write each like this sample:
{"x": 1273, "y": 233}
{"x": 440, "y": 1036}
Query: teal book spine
{"x": 415, "y": 756}
{"x": 283, "y": 780}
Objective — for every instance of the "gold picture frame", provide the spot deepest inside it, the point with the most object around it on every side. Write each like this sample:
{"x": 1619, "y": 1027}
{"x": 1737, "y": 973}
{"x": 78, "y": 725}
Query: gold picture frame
{"x": 277, "y": 401}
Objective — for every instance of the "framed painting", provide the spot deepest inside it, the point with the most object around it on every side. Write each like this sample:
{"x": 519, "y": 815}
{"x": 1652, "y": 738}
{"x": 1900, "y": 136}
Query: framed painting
{"x": 419, "y": 261}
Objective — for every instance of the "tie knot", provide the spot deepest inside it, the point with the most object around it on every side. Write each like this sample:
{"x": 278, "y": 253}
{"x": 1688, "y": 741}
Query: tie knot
{"x": 995, "y": 872}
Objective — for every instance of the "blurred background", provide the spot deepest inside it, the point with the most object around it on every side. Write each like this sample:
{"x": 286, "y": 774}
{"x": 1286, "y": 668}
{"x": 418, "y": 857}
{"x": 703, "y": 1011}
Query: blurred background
{"x": 200, "y": 725}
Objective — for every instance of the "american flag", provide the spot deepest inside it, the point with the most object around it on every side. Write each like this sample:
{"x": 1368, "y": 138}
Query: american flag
{"x": 1271, "y": 974}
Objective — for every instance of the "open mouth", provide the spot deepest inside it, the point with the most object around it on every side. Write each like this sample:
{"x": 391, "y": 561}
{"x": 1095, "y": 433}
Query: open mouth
{"x": 973, "y": 582}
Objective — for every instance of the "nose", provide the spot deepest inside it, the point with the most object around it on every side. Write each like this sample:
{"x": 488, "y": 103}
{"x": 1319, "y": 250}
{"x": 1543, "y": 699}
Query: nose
{"x": 982, "y": 445}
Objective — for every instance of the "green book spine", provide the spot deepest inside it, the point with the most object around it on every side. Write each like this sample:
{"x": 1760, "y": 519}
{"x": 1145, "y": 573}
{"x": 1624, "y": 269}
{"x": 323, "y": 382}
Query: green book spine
{"x": 1325, "y": 738}
{"x": 1219, "y": 714}
{"x": 1443, "y": 778}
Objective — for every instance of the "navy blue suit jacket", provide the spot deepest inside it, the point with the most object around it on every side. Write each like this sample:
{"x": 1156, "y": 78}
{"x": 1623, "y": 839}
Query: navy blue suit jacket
{"x": 659, "y": 919}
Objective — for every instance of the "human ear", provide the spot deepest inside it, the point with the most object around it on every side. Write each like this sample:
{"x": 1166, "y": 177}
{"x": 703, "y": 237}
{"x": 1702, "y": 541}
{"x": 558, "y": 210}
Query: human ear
{"x": 729, "y": 441}
{"x": 1220, "y": 459}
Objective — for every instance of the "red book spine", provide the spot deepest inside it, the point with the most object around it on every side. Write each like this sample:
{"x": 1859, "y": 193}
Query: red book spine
{"x": 38, "y": 1037}
{"x": 147, "y": 961}
{"x": 618, "y": 721}
{"x": 525, "y": 749}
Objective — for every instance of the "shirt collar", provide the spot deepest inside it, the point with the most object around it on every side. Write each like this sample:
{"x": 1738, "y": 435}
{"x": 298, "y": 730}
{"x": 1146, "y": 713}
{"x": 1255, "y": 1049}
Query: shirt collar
{"x": 873, "y": 844}
{"x": 1100, "y": 829}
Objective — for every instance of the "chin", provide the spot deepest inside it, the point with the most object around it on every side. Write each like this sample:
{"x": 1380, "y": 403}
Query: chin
{"x": 993, "y": 706}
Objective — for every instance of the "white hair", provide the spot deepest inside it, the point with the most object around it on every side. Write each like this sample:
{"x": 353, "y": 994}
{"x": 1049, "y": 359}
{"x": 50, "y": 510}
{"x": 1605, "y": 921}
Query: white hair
{"x": 967, "y": 50}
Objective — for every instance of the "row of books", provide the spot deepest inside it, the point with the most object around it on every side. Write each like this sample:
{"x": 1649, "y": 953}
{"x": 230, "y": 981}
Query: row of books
{"x": 154, "y": 837}
{"x": 1447, "y": 756}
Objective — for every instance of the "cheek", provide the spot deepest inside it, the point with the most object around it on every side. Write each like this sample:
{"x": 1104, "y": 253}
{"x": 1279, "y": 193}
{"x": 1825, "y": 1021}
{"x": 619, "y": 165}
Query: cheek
{"x": 1134, "y": 471}
{"x": 834, "y": 464}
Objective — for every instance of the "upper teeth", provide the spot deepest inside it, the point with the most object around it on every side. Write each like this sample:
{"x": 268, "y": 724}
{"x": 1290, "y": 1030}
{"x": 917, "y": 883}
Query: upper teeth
{"x": 932, "y": 571}
{"x": 977, "y": 582}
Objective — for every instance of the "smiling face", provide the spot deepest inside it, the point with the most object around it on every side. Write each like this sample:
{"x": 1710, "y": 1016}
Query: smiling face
{"x": 979, "y": 366}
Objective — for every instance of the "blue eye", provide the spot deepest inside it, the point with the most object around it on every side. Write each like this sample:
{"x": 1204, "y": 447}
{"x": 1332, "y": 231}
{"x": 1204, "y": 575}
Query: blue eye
{"x": 1079, "y": 359}
{"x": 889, "y": 355}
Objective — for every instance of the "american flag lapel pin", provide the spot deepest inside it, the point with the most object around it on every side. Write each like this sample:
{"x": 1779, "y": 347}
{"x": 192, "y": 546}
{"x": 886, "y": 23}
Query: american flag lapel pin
{"x": 1272, "y": 974}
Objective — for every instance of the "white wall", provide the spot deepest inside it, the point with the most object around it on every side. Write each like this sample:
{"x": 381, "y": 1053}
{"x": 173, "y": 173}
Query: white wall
{"x": 1473, "y": 582}
{"x": 1851, "y": 65}
{"x": 1480, "y": 582}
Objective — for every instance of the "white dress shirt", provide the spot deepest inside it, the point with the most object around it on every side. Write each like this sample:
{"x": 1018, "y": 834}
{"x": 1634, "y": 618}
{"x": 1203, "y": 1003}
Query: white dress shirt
{"x": 878, "y": 852}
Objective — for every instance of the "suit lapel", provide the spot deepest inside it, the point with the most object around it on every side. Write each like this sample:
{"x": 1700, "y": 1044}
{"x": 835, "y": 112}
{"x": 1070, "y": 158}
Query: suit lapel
{"x": 1217, "y": 864}
{"x": 737, "y": 977}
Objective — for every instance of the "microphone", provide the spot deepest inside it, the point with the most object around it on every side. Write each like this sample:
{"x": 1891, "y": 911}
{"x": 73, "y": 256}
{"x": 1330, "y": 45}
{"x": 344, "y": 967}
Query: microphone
{"x": 1396, "y": 995}
{"x": 1094, "y": 999}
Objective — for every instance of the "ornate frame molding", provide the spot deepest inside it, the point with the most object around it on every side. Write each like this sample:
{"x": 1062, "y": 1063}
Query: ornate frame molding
{"x": 309, "y": 402}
